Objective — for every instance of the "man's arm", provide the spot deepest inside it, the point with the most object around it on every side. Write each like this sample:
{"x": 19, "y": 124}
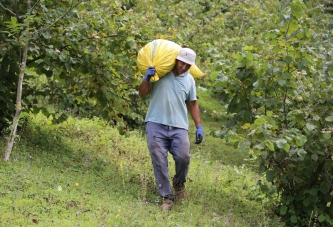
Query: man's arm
{"x": 195, "y": 112}
{"x": 144, "y": 88}
{"x": 193, "y": 107}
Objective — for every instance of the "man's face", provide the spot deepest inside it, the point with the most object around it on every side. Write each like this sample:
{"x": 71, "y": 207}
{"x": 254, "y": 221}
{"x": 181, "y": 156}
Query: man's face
{"x": 181, "y": 67}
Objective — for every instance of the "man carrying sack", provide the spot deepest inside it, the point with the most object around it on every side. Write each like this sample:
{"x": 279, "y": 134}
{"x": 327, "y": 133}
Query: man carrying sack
{"x": 167, "y": 124}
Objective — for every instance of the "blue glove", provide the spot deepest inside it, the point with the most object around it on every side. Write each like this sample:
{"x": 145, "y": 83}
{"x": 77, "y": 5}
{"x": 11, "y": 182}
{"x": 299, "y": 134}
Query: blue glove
{"x": 199, "y": 135}
{"x": 150, "y": 72}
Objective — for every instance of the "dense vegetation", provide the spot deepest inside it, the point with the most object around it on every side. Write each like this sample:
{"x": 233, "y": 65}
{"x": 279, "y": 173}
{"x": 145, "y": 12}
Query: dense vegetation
{"x": 269, "y": 63}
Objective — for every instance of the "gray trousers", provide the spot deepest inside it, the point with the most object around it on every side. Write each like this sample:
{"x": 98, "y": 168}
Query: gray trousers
{"x": 162, "y": 139}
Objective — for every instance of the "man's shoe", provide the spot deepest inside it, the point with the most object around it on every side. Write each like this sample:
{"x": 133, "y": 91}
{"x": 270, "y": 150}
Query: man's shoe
{"x": 167, "y": 204}
{"x": 180, "y": 192}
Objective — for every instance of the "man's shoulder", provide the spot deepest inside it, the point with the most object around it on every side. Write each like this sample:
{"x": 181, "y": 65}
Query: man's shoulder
{"x": 191, "y": 78}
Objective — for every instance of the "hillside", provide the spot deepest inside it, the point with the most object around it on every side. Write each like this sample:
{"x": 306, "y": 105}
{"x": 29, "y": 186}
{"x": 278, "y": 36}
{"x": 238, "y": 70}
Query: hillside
{"x": 83, "y": 173}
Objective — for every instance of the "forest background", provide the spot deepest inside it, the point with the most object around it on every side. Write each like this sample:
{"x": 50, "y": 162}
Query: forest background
{"x": 266, "y": 92}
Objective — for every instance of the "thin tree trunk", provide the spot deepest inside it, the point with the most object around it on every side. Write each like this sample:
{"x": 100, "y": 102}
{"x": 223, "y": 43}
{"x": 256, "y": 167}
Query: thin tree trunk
{"x": 243, "y": 18}
{"x": 19, "y": 108}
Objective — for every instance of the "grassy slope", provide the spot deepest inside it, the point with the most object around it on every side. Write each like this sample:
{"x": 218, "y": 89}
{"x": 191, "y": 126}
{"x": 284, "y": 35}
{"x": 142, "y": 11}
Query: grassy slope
{"x": 83, "y": 173}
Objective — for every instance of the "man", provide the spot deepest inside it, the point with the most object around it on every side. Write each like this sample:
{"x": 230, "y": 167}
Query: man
{"x": 167, "y": 124}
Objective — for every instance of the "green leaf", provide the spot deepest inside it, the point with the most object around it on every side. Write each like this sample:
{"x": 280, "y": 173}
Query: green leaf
{"x": 310, "y": 127}
{"x": 300, "y": 35}
{"x": 300, "y": 140}
{"x": 2, "y": 88}
{"x": 314, "y": 191}
{"x": 283, "y": 144}
{"x": 324, "y": 188}
{"x": 264, "y": 155}
{"x": 260, "y": 146}
{"x": 276, "y": 49}
{"x": 290, "y": 198}
{"x": 46, "y": 35}
{"x": 308, "y": 32}
{"x": 327, "y": 135}
{"x": 299, "y": 118}
{"x": 101, "y": 98}
{"x": 329, "y": 119}
{"x": 314, "y": 198}
{"x": 301, "y": 153}
{"x": 283, "y": 210}
{"x": 259, "y": 121}
{"x": 243, "y": 147}
{"x": 327, "y": 198}
{"x": 281, "y": 82}
{"x": 306, "y": 202}
{"x": 314, "y": 157}
{"x": 270, "y": 175}
{"x": 286, "y": 75}
{"x": 293, "y": 219}
{"x": 249, "y": 56}
{"x": 239, "y": 57}
{"x": 293, "y": 26}
{"x": 316, "y": 118}
{"x": 292, "y": 152}
{"x": 287, "y": 147}
{"x": 321, "y": 218}
{"x": 288, "y": 59}
{"x": 269, "y": 145}
{"x": 270, "y": 35}
{"x": 248, "y": 48}
{"x": 13, "y": 26}
{"x": 52, "y": 53}
{"x": 269, "y": 113}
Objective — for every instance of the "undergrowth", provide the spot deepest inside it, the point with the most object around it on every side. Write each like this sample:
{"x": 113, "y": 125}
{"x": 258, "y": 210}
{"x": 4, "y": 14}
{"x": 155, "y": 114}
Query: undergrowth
{"x": 84, "y": 173}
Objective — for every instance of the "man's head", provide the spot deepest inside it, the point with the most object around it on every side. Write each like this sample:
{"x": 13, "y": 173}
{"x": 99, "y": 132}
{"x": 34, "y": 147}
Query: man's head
{"x": 186, "y": 55}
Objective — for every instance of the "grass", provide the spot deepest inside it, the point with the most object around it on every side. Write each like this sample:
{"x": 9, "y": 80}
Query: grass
{"x": 213, "y": 116}
{"x": 83, "y": 173}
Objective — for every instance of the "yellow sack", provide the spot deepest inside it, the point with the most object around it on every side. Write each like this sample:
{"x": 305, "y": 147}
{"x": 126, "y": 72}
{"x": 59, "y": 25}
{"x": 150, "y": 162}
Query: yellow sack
{"x": 162, "y": 55}
{"x": 196, "y": 72}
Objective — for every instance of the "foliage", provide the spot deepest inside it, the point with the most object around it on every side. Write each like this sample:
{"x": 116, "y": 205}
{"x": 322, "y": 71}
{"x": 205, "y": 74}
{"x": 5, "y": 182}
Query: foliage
{"x": 280, "y": 96}
{"x": 214, "y": 29}
{"x": 81, "y": 58}
{"x": 82, "y": 54}
{"x": 269, "y": 62}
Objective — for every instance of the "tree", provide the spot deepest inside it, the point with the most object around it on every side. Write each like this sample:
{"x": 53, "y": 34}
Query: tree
{"x": 25, "y": 41}
{"x": 280, "y": 100}
{"x": 80, "y": 56}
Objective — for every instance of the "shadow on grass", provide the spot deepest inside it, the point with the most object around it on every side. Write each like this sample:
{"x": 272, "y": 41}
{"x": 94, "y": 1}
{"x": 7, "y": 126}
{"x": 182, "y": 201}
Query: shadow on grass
{"x": 101, "y": 169}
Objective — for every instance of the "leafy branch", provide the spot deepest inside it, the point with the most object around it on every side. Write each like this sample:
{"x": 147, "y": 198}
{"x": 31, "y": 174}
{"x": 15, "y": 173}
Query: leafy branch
{"x": 93, "y": 37}
{"x": 64, "y": 47}
{"x": 35, "y": 5}
{"x": 8, "y": 10}
{"x": 61, "y": 17}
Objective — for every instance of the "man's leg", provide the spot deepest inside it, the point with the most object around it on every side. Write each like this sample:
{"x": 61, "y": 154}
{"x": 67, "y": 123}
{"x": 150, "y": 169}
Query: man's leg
{"x": 180, "y": 149}
{"x": 158, "y": 143}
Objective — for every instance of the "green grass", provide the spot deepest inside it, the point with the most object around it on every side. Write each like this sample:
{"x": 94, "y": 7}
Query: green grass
{"x": 83, "y": 173}
{"x": 214, "y": 116}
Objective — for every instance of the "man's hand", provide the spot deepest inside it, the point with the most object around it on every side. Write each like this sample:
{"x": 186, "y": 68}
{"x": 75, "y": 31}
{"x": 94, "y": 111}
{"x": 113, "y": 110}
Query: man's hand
{"x": 149, "y": 73}
{"x": 199, "y": 135}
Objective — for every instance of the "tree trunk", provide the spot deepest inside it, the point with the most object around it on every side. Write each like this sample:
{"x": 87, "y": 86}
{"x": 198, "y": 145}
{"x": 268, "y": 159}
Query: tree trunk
{"x": 19, "y": 108}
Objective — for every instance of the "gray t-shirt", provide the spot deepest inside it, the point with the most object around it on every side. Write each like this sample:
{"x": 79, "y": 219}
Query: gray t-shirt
{"x": 167, "y": 102}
